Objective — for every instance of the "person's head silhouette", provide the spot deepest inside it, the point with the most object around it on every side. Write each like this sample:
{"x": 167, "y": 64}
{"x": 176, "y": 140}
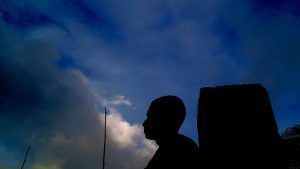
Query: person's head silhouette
{"x": 164, "y": 118}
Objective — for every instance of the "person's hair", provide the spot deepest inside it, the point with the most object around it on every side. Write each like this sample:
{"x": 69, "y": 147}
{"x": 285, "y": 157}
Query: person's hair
{"x": 171, "y": 109}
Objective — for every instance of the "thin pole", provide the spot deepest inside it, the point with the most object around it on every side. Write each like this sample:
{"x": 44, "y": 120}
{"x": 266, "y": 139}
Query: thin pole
{"x": 25, "y": 157}
{"x": 103, "y": 162}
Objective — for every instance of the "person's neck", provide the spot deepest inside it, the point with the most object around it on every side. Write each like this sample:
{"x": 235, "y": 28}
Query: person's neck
{"x": 166, "y": 139}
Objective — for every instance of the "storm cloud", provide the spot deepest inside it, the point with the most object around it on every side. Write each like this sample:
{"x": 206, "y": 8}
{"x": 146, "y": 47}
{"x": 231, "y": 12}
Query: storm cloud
{"x": 57, "y": 112}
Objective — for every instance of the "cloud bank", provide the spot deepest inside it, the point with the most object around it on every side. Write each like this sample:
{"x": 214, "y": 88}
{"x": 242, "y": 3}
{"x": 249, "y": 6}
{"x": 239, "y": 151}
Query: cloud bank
{"x": 56, "y": 111}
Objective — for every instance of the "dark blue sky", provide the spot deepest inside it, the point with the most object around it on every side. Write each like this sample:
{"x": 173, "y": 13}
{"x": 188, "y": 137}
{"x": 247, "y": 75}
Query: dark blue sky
{"x": 62, "y": 61}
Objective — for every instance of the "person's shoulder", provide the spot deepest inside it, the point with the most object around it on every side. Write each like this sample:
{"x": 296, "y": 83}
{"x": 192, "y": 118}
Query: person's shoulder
{"x": 189, "y": 152}
{"x": 186, "y": 141}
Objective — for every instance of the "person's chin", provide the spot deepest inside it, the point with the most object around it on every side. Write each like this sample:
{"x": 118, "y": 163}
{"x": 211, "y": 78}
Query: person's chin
{"x": 149, "y": 136}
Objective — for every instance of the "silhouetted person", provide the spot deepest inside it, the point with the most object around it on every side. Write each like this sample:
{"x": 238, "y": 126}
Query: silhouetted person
{"x": 164, "y": 118}
{"x": 237, "y": 128}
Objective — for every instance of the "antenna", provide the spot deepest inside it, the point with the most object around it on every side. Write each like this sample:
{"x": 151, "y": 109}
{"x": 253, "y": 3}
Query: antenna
{"x": 103, "y": 161}
{"x": 25, "y": 157}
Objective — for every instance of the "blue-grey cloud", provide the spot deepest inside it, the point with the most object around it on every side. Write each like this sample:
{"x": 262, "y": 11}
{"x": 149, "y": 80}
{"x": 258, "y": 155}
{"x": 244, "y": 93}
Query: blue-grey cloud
{"x": 56, "y": 111}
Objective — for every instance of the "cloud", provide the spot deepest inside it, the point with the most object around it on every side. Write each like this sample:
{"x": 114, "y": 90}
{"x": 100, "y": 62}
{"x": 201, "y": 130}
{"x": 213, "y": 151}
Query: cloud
{"x": 55, "y": 110}
{"x": 121, "y": 100}
{"x": 129, "y": 139}
{"x": 116, "y": 101}
{"x": 187, "y": 45}
{"x": 125, "y": 135}
{"x": 122, "y": 132}
{"x": 6, "y": 158}
{"x": 123, "y": 55}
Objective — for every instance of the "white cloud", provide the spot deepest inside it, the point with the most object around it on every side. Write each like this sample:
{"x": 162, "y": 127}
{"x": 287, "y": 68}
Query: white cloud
{"x": 121, "y": 132}
{"x": 116, "y": 101}
{"x": 129, "y": 137}
{"x": 146, "y": 151}
{"x": 121, "y": 100}
{"x": 125, "y": 135}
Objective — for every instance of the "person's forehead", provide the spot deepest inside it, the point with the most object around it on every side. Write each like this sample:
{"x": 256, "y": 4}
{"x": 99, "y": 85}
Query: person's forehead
{"x": 153, "y": 109}
{"x": 157, "y": 112}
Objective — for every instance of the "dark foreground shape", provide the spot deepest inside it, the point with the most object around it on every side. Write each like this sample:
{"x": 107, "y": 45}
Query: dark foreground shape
{"x": 164, "y": 118}
{"x": 237, "y": 129}
{"x": 292, "y": 137}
